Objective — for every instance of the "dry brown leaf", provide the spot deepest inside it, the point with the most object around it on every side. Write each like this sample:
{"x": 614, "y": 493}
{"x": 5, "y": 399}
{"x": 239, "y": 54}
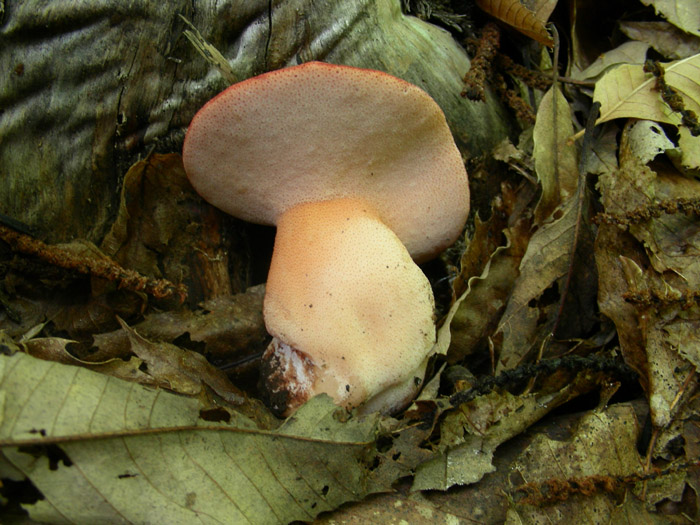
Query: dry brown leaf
{"x": 516, "y": 15}
{"x": 671, "y": 344}
{"x": 546, "y": 260}
{"x": 655, "y": 263}
{"x": 163, "y": 228}
{"x": 224, "y": 329}
{"x": 182, "y": 371}
{"x": 489, "y": 267}
{"x": 56, "y": 349}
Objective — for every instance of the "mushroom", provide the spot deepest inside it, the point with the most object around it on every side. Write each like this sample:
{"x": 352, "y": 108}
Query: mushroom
{"x": 359, "y": 172}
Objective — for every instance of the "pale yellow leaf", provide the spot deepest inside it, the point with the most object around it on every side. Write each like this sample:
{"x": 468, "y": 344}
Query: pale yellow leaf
{"x": 690, "y": 151}
{"x": 681, "y": 13}
{"x": 647, "y": 140}
{"x": 627, "y": 53}
{"x": 628, "y": 92}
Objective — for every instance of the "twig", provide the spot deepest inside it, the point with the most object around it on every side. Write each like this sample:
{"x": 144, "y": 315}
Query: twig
{"x": 104, "y": 268}
{"x": 549, "y": 366}
{"x": 209, "y": 52}
{"x": 672, "y": 97}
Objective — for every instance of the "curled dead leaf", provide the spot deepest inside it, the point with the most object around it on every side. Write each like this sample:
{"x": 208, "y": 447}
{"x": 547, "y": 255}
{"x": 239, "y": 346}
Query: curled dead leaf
{"x": 516, "y": 15}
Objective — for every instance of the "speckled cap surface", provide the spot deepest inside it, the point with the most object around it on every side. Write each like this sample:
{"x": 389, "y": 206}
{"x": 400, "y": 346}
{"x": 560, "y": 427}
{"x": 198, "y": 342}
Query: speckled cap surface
{"x": 317, "y": 132}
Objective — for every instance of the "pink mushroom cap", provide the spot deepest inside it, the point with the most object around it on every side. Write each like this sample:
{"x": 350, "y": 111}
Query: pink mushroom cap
{"x": 319, "y": 132}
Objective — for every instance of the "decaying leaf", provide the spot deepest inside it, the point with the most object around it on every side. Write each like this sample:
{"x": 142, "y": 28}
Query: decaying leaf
{"x": 56, "y": 349}
{"x": 647, "y": 140}
{"x": 516, "y": 15}
{"x": 224, "y": 329}
{"x": 654, "y": 264}
{"x": 394, "y": 508}
{"x": 490, "y": 266}
{"x": 182, "y": 371}
{"x": 471, "y": 434}
{"x": 586, "y": 487}
{"x": 544, "y": 263}
{"x": 180, "y": 443}
{"x": 164, "y": 228}
{"x": 602, "y": 156}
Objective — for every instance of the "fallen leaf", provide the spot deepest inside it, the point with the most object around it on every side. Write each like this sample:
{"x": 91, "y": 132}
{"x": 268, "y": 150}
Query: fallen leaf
{"x": 667, "y": 39}
{"x": 601, "y": 448}
{"x": 225, "y": 329}
{"x": 628, "y": 92}
{"x": 602, "y": 157}
{"x": 527, "y": 321}
{"x": 391, "y": 509}
{"x": 516, "y": 15}
{"x": 471, "y": 434}
{"x": 647, "y": 140}
{"x": 489, "y": 268}
{"x": 163, "y": 228}
{"x": 183, "y": 371}
{"x": 556, "y": 162}
{"x": 56, "y": 349}
{"x": 610, "y": 243}
{"x": 131, "y": 454}
{"x": 683, "y": 14}
{"x": 625, "y": 53}
{"x": 687, "y": 156}
{"x": 654, "y": 263}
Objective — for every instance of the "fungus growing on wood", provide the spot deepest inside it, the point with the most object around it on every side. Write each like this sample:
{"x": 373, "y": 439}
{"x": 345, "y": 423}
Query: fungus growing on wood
{"x": 359, "y": 172}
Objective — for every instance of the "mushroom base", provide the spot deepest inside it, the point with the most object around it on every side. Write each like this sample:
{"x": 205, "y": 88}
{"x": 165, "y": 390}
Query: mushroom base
{"x": 286, "y": 377}
{"x": 351, "y": 313}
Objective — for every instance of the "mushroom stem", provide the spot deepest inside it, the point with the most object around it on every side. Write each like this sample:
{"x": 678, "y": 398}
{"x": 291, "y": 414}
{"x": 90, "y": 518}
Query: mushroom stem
{"x": 350, "y": 312}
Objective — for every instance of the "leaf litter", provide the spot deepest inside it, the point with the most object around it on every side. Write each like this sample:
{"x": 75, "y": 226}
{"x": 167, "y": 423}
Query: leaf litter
{"x": 529, "y": 415}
